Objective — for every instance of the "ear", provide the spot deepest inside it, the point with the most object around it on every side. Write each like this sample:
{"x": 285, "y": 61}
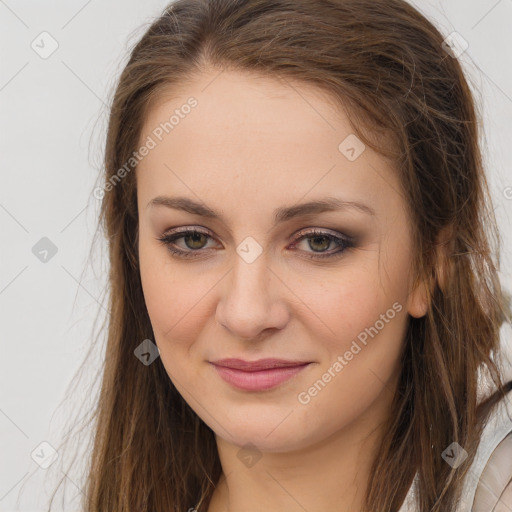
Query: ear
{"x": 418, "y": 299}
{"x": 417, "y": 304}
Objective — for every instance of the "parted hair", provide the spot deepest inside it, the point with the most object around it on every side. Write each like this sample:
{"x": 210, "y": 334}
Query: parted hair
{"x": 385, "y": 64}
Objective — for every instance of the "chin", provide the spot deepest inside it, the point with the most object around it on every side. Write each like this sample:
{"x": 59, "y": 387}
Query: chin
{"x": 270, "y": 434}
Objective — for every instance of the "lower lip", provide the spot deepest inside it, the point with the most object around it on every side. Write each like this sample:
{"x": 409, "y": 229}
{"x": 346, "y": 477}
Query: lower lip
{"x": 260, "y": 380}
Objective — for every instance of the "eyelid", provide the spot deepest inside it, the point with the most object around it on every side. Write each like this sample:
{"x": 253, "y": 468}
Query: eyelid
{"x": 348, "y": 242}
{"x": 308, "y": 231}
{"x": 313, "y": 230}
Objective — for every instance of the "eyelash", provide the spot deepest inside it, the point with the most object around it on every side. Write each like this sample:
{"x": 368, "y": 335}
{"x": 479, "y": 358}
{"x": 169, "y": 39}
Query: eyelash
{"x": 343, "y": 241}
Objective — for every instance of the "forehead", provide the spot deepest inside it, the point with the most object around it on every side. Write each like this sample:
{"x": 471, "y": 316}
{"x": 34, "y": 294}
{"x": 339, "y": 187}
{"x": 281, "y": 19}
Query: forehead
{"x": 248, "y": 107}
{"x": 255, "y": 140}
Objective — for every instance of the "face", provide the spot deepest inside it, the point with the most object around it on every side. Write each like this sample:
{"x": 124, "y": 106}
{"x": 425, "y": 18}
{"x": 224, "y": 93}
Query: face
{"x": 259, "y": 275}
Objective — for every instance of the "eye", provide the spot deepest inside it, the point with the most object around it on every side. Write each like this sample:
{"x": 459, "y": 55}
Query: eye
{"x": 318, "y": 241}
{"x": 193, "y": 238}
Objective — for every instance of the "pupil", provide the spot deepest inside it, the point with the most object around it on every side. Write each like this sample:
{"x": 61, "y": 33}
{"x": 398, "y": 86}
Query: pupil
{"x": 324, "y": 238}
{"x": 195, "y": 237}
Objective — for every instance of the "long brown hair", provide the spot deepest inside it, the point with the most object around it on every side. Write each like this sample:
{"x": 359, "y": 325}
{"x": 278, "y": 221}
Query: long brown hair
{"x": 386, "y": 64}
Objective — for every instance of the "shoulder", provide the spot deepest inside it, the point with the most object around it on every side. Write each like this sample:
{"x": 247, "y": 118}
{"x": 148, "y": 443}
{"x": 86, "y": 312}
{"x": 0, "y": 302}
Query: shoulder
{"x": 488, "y": 484}
{"x": 492, "y": 476}
{"x": 494, "y": 489}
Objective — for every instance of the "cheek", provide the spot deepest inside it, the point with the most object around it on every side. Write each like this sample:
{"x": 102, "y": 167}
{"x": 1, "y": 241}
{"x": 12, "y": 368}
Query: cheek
{"x": 176, "y": 308}
{"x": 352, "y": 302}
{"x": 355, "y": 376}
{"x": 367, "y": 321}
{"x": 176, "y": 299}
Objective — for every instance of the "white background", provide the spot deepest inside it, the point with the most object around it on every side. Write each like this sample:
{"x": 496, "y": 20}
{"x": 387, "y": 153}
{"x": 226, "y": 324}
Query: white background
{"x": 52, "y": 121}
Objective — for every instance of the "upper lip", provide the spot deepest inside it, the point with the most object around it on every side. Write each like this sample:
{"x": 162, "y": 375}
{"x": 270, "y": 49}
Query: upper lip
{"x": 260, "y": 364}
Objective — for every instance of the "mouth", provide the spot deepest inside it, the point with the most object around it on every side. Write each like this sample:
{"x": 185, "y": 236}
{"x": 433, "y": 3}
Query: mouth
{"x": 258, "y": 375}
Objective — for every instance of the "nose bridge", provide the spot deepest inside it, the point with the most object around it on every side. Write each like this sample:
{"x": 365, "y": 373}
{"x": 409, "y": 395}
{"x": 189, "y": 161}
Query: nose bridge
{"x": 250, "y": 276}
{"x": 248, "y": 303}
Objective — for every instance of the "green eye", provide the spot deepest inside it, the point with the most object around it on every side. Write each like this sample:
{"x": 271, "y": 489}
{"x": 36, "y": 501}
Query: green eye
{"x": 196, "y": 240}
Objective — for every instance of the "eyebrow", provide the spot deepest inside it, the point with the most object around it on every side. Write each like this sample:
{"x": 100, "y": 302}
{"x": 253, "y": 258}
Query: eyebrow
{"x": 283, "y": 214}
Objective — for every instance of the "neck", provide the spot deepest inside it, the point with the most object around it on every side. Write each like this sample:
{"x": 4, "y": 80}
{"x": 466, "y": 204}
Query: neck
{"x": 332, "y": 474}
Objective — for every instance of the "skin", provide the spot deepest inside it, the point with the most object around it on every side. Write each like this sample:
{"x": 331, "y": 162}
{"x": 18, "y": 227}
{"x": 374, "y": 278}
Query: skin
{"x": 251, "y": 145}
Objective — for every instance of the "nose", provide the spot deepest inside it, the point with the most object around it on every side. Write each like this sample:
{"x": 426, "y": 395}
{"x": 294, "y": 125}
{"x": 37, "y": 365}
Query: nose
{"x": 252, "y": 300}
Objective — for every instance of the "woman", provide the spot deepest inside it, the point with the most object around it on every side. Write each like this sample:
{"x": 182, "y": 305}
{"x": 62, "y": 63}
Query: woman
{"x": 305, "y": 307}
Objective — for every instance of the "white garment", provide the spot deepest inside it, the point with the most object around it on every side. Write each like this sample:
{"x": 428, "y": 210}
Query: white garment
{"x": 497, "y": 428}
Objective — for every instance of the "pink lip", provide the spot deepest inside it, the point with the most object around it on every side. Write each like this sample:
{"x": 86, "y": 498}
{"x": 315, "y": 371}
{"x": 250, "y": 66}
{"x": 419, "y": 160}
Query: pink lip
{"x": 257, "y": 375}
